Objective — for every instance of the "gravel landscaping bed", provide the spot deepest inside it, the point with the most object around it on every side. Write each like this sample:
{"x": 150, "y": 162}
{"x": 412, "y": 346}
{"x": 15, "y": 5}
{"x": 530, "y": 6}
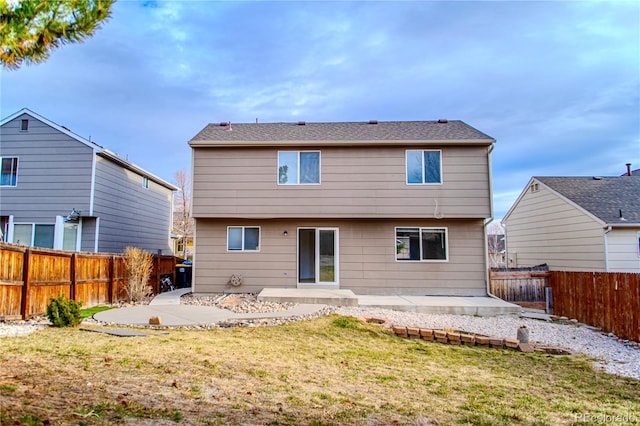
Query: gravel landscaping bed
{"x": 615, "y": 356}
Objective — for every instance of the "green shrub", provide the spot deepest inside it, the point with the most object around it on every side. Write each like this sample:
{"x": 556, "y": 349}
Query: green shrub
{"x": 63, "y": 312}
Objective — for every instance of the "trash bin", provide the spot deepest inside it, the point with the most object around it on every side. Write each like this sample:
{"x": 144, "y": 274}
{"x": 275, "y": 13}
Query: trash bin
{"x": 183, "y": 275}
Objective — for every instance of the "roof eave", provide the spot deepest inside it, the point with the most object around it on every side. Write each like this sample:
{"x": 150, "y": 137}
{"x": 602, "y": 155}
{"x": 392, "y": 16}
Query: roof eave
{"x": 50, "y": 123}
{"x": 236, "y": 144}
{"x": 111, "y": 156}
{"x": 622, "y": 225}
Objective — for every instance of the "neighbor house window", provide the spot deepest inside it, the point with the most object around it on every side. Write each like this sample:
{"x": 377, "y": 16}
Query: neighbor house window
{"x": 24, "y": 125}
{"x": 421, "y": 244}
{"x": 298, "y": 167}
{"x": 33, "y": 235}
{"x": 145, "y": 182}
{"x": 243, "y": 238}
{"x": 9, "y": 176}
{"x": 424, "y": 167}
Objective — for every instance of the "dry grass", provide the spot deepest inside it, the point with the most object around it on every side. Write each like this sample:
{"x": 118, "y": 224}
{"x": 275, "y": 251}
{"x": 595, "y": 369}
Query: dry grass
{"x": 329, "y": 371}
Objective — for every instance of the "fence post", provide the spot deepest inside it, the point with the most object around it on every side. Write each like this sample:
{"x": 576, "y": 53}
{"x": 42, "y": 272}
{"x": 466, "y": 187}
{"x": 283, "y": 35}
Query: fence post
{"x": 548, "y": 297}
{"x": 156, "y": 273}
{"x": 26, "y": 278}
{"x": 112, "y": 262}
{"x": 72, "y": 273}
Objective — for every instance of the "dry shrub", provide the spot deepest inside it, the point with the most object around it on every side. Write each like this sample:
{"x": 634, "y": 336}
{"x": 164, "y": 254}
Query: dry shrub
{"x": 139, "y": 264}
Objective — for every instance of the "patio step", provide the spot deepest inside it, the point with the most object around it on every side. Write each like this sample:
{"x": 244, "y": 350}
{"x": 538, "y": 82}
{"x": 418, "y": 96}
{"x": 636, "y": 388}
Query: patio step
{"x": 309, "y": 296}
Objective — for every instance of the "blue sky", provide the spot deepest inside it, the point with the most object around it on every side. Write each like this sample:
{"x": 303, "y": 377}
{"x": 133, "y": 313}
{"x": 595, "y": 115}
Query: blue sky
{"x": 556, "y": 83}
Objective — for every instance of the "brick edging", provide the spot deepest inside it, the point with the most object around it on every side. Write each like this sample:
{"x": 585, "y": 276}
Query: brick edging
{"x": 459, "y": 338}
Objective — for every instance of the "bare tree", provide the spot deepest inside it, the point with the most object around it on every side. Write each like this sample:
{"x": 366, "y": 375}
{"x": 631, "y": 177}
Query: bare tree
{"x": 496, "y": 245}
{"x": 182, "y": 220}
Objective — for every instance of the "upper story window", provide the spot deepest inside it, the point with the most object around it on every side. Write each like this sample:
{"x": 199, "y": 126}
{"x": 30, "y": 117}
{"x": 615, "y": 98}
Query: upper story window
{"x": 145, "y": 182}
{"x": 9, "y": 174}
{"x": 243, "y": 238}
{"x": 422, "y": 244}
{"x": 424, "y": 167}
{"x": 24, "y": 125}
{"x": 298, "y": 167}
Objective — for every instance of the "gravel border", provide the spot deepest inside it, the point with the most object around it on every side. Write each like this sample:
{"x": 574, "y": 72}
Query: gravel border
{"x": 616, "y": 356}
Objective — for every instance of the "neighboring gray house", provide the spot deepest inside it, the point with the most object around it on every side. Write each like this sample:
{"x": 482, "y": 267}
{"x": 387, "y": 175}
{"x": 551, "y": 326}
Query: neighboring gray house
{"x": 59, "y": 190}
{"x": 373, "y": 207}
{"x": 576, "y": 224}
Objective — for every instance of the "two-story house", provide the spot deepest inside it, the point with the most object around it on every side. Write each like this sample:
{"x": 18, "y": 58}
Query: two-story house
{"x": 59, "y": 190}
{"x": 374, "y": 207}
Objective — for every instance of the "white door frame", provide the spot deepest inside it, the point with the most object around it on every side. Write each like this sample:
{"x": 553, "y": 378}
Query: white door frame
{"x": 336, "y": 259}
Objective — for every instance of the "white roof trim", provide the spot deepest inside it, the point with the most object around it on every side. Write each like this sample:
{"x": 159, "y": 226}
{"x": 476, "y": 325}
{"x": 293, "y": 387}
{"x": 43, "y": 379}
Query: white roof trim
{"x": 50, "y": 123}
{"x": 513, "y": 206}
{"x": 557, "y": 194}
{"x": 112, "y": 156}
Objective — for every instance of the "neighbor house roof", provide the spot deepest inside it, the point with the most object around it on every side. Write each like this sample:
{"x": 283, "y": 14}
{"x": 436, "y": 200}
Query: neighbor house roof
{"x": 606, "y": 198}
{"x": 351, "y": 133}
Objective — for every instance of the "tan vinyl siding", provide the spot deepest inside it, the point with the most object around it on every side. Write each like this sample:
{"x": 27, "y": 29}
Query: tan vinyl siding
{"x": 356, "y": 182}
{"x": 544, "y": 228}
{"x": 367, "y": 257}
{"x": 622, "y": 246}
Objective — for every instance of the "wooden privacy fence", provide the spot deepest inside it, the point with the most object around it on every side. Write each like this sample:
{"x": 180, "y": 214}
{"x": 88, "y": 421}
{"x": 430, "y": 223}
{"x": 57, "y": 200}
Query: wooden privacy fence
{"x": 518, "y": 285}
{"x": 29, "y": 277}
{"x": 608, "y": 300}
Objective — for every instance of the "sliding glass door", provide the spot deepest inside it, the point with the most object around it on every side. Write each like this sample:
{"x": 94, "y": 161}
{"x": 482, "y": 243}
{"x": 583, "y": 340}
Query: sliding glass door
{"x": 318, "y": 256}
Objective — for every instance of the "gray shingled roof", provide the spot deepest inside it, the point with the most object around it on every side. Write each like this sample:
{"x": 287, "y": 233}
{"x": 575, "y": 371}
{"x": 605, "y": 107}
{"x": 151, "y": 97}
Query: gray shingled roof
{"x": 603, "y": 197}
{"x": 346, "y": 131}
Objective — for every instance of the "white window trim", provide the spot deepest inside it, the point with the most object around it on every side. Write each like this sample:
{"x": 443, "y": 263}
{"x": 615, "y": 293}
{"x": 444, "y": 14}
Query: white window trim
{"x": 28, "y": 123}
{"x": 145, "y": 182}
{"x": 297, "y": 184}
{"x": 406, "y": 167}
{"x": 243, "y": 250}
{"x": 58, "y": 236}
{"x": 17, "y": 169}
{"x": 33, "y": 232}
{"x": 420, "y": 229}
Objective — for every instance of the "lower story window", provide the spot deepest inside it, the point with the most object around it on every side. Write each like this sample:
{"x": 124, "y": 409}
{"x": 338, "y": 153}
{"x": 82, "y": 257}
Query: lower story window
{"x": 243, "y": 238}
{"x": 34, "y": 235}
{"x": 421, "y": 244}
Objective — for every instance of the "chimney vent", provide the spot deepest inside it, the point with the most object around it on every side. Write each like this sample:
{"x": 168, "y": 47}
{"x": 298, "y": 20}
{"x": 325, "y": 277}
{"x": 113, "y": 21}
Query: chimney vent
{"x": 373, "y": 121}
{"x": 628, "y": 169}
{"x": 223, "y": 124}
{"x": 443, "y": 121}
{"x": 302, "y": 123}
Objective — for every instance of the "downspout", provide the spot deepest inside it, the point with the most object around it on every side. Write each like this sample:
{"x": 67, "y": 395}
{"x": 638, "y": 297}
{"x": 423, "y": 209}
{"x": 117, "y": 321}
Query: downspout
{"x": 487, "y": 221}
{"x": 9, "y": 237}
{"x": 606, "y": 248}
